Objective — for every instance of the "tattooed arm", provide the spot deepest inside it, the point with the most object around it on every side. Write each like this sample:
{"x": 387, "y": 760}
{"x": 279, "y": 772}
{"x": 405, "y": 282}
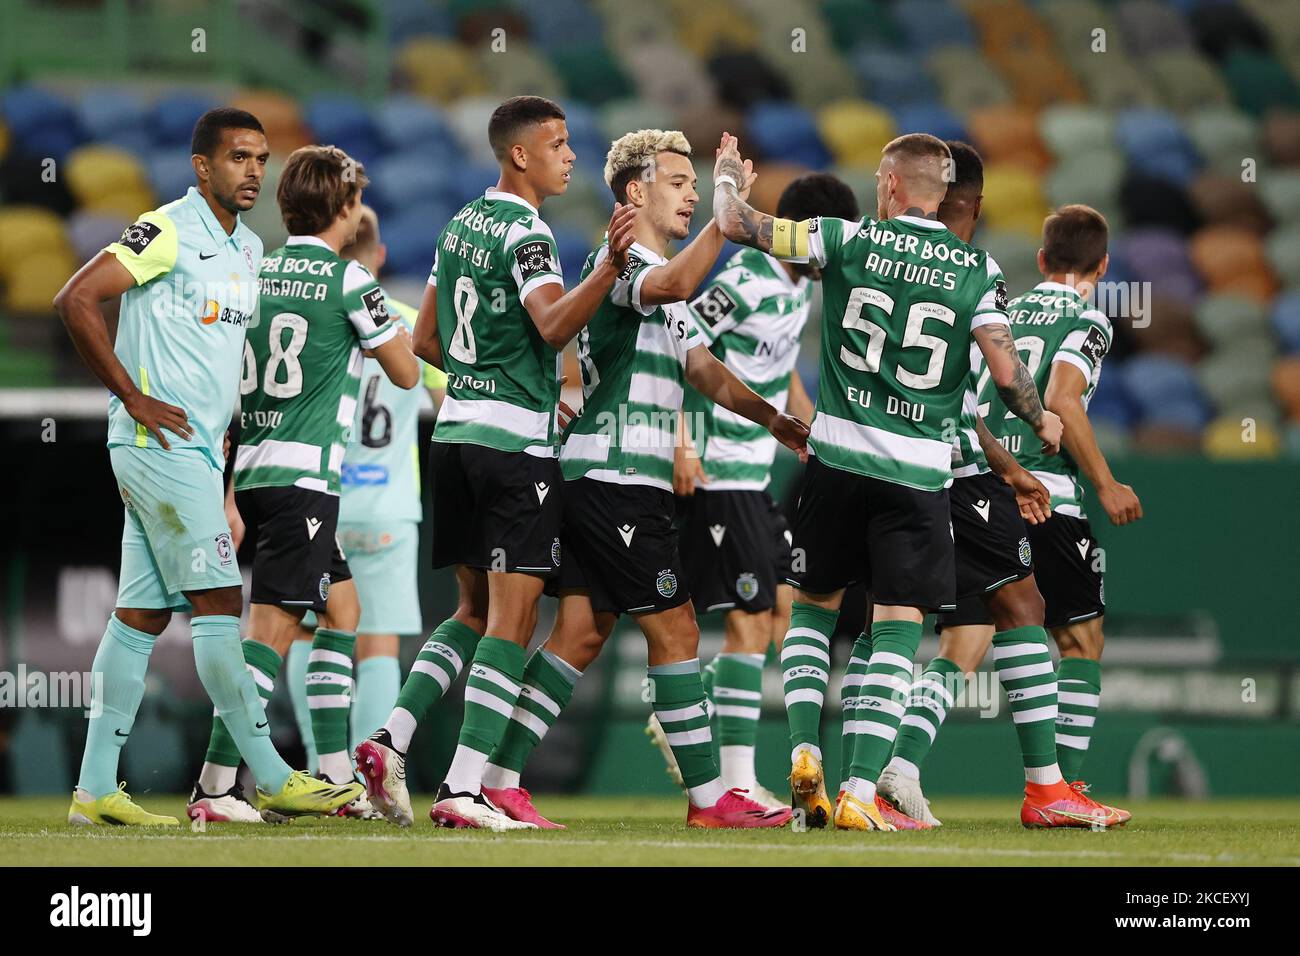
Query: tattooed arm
{"x": 739, "y": 221}
{"x": 1015, "y": 385}
{"x": 1032, "y": 497}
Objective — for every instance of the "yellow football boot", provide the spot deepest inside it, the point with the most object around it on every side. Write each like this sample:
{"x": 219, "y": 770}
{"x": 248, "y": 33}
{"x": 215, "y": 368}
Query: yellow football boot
{"x": 303, "y": 794}
{"x": 808, "y": 791}
{"x": 116, "y": 809}
{"x": 854, "y": 814}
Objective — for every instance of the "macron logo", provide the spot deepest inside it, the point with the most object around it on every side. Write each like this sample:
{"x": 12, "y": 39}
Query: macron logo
{"x": 543, "y": 489}
{"x": 626, "y": 533}
{"x": 313, "y": 525}
{"x": 134, "y": 910}
{"x": 718, "y": 531}
{"x": 1082, "y": 545}
{"x": 983, "y": 508}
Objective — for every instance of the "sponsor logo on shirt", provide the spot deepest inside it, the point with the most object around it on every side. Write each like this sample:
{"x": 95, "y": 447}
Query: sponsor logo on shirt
{"x": 138, "y": 235}
{"x": 714, "y": 306}
{"x": 1094, "y": 345}
{"x": 213, "y": 312}
{"x": 375, "y": 305}
{"x": 999, "y": 295}
{"x": 368, "y": 474}
{"x": 634, "y": 262}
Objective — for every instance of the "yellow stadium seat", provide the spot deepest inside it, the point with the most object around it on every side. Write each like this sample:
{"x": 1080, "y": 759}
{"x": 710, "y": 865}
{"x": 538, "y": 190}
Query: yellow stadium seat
{"x": 439, "y": 69}
{"x": 1227, "y": 437}
{"x": 715, "y": 27}
{"x": 1013, "y": 199}
{"x": 27, "y": 231}
{"x": 31, "y": 287}
{"x": 101, "y": 176}
{"x": 855, "y": 131}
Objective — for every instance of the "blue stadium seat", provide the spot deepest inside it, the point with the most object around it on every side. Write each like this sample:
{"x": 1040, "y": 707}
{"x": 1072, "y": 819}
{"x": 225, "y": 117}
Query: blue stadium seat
{"x": 1111, "y": 402}
{"x": 787, "y": 132}
{"x": 1286, "y": 320}
{"x": 469, "y": 180}
{"x": 929, "y": 24}
{"x": 892, "y": 78}
{"x": 563, "y": 24}
{"x": 1155, "y": 143}
{"x": 345, "y": 122}
{"x": 170, "y": 173}
{"x": 574, "y": 248}
{"x": 174, "y": 117}
{"x": 41, "y": 123}
{"x": 1165, "y": 391}
{"x": 411, "y": 237}
{"x": 932, "y": 118}
{"x": 410, "y": 18}
{"x": 407, "y": 121}
{"x": 407, "y": 179}
{"x": 105, "y": 111}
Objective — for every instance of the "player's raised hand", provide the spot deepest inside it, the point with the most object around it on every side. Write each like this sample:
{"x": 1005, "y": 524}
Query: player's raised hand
{"x": 791, "y": 433}
{"x": 1032, "y": 496}
{"x": 1049, "y": 431}
{"x": 1120, "y": 502}
{"x": 621, "y": 235}
{"x": 155, "y": 416}
{"x": 728, "y": 162}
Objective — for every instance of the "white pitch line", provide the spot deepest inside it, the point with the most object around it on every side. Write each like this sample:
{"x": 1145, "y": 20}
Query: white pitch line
{"x": 671, "y": 844}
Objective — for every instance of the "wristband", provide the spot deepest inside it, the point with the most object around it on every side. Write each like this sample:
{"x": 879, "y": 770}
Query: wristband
{"x": 724, "y": 178}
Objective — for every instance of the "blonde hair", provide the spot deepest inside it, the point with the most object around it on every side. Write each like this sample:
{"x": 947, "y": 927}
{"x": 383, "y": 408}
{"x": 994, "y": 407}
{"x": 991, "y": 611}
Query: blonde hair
{"x": 633, "y": 152}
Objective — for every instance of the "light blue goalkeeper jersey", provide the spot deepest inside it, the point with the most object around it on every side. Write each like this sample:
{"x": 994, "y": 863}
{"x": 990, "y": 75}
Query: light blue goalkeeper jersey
{"x": 381, "y": 469}
{"x": 180, "y": 335}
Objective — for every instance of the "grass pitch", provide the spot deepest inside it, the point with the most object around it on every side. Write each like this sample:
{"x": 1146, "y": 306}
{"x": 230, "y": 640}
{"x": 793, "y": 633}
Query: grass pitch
{"x": 627, "y": 831}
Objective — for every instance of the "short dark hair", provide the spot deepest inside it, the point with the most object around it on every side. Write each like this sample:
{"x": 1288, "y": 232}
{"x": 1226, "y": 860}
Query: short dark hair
{"x": 317, "y": 182}
{"x": 512, "y": 116}
{"x": 207, "y": 131}
{"x": 818, "y": 194}
{"x": 1075, "y": 239}
{"x": 967, "y": 168}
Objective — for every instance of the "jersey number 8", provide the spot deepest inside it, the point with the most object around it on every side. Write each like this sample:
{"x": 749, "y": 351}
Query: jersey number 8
{"x": 281, "y": 355}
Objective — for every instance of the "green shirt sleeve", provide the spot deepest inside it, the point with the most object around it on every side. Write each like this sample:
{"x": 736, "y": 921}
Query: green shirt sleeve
{"x": 147, "y": 247}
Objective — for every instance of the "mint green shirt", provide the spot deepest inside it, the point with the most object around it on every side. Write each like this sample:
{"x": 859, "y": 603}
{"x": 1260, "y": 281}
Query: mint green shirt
{"x": 180, "y": 334}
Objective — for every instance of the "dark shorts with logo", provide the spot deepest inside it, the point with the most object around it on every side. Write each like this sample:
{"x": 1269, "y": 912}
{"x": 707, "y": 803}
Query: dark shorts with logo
{"x": 851, "y": 529}
{"x": 495, "y": 510}
{"x": 620, "y": 544}
{"x": 1068, "y": 570}
{"x": 298, "y": 555}
{"x": 737, "y": 549}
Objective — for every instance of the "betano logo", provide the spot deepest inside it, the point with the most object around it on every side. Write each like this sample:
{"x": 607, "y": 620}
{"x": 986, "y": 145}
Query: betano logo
{"x": 211, "y": 312}
{"x": 75, "y": 908}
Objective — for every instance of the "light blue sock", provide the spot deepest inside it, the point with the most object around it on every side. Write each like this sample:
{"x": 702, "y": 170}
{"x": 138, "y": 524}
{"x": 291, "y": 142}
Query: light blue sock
{"x": 117, "y": 687}
{"x": 296, "y": 666}
{"x": 379, "y": 681}
{"x": 219, "y": 659}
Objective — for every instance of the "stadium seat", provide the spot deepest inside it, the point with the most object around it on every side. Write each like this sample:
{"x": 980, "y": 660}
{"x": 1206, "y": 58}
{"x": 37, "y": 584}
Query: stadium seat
{"x": 716, "y": 27}
{"x": 104, "y": 112}
{"x": 1286, "y": 385}
{"x": 787, "y": 132}
{"x": 1280, "y": 190}
{"x": 407, "y": 18}
{"x": 625, "y": 115}
{"x": 1168, "y": 327}
{"x": 1092, "y": 177}
{"x": 1114, "y": 82}
{"x": 1186, "y": 80}
{"x": 929, "y": 24}
{"x": 173, "y": 117}
{"x": 1013, "y": 199}
{"x": 1150, "y": 201}
{"x": 855, "y": 131}
{"x": 1111, "y": 403}
{"x": 1286, "y": 319}
{"x": 854, "y": 21}
{"x": 89, "y": 232}
{"x": 561, "y": 25}
{"x": 27, "y": 230}
{"x": 1155, "y": 143}
{"x": 32, "y": 281}
{"x": 406, "y": 122}
{"x": 1151, "y": 26}
{"x": 1225, "y": 438}
{"x": 1160, "y": 256}
{"x": 1040, "y": 78}
{"x": 1226, "y": 200}
{"x": 668, "y": 74}
{"x": 1284, "y": 251}
{"x": 438, "y": 69}
{"x": 107, "y": 179}
{"x": 630, "y": 27}
{"x": 411, "y": 236}
{"x": 1014, "y": 251}
{"x": 1219, "y": 28}
{"x": 171, "y": 174}
{"x": 43, "y": 122}
{"x": 280, "y": 116}
{"x": 930, "y": 118}
{"x": 1068, "y": 129}
{"x": 1281, "y": 134}
{"x": 1259, "y": 83}
{"x": 1224, "y": 136}
{"x": 1225, "y": 318}
{"x": 1008, "y": 134}
{"x": 965, "y": 80}
{"x": 521, "y": 68}
{"x": 468, "y": 119}
{"x": 1234, "y": 379}
{"x": 404, "y": 179}
{"x": 591, "y": 73}
{"x": 889, "y": 77}
{"x": 1165, "y": 391}
{"x": 1232, "y": 259}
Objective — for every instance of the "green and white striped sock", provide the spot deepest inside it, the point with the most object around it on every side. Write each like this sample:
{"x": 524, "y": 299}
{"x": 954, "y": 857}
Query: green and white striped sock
{"x": 329, "y": 697}
{"x": 491, "y": 693}
{"x": 679, "y": 703}
{"x": 805, "y": 665}
{"x": 738, "y": 702}
{"x": 879, "y": 708}
{"x": 927, "y": 705}
{"x": 850, "y": 687}
{"x": 439, "y": 663}
{"x": 547, "y": 689}
{"x": 221, "y": 763}
{"x": 1024, "y": 667}
{"x": 1078, "y": 695}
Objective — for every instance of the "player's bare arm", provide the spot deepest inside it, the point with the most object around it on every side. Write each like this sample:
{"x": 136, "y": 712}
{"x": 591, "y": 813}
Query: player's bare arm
{"x": 1015, "y": 385}
{"x": 719, "y": 384}
{"x": 739, "y": 221}
{"x": 687, "y": 466}
{"x": 1032, "y": 496}
{"x": 425, "y": 342}
{"x": 1064, "y": 396}
{"x": 77, "y": 303}
{"x": 560, "y": 315}
{"x": 397, "y": 360}
{"x": 797, "y": 402}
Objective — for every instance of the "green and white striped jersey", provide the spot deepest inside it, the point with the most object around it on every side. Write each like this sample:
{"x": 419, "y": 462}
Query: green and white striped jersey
{"x": 633, "y": 359}
{"x": 1052, "y": 323}
{"x": 899, "y": 298}
{"x": 503, "y": 380}
{"x": 302, "y": 366}
{"x": 967, "y": 454}
{"x": 751, "y": 315}
{"x": 381, "y": 468}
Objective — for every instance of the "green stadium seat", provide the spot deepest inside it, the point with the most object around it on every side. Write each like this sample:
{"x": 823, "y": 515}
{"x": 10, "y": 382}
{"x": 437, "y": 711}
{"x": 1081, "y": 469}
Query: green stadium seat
{"x": 1224, "y": 136}
{"x": 1186, "y": 80}
{"x": 1284, "y": 250}
{"x": 1069, "y": 128}
{"x": 1233, "y": 377}
{"x": 592, "y": 74}
{"x": 1114, "y": 82}
{"x": 965, "y": 79}
{"x": 853, "y": 21}
{"x": 1280, "y": 189}
{"x": 1093, "y": 177}
{"x": 623, "y": 115}
{"x": 855, "y": 131}
{"x": 1226, "y": 318}
{"x": 1015, "y": 252}
{"x": 1259, "y": 83}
